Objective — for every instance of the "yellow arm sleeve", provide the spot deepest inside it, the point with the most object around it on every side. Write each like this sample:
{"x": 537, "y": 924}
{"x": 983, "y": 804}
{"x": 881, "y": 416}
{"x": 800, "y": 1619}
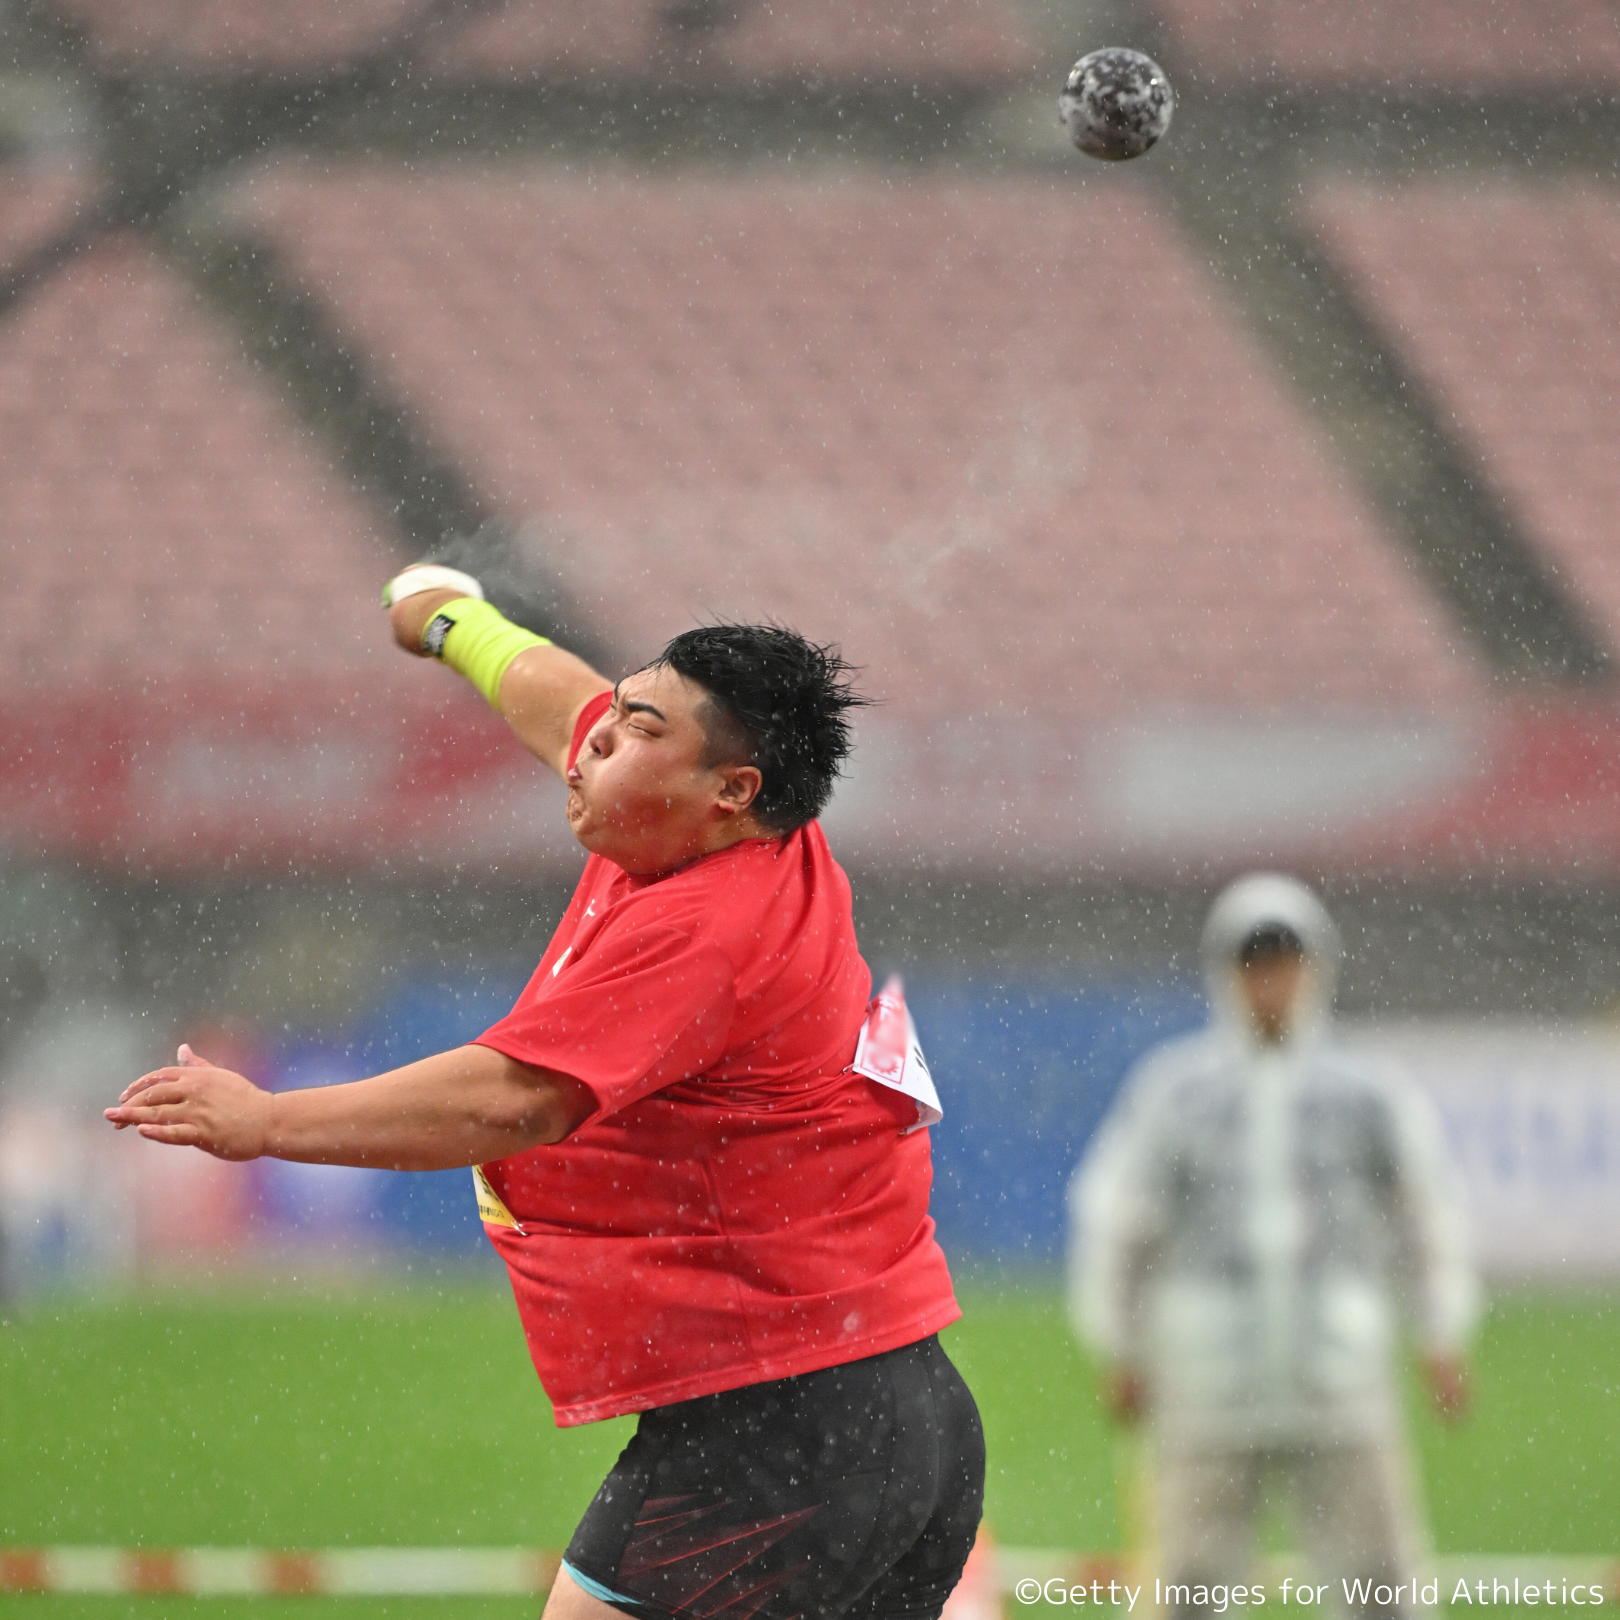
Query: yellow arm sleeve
{"x": 475, "y": 640}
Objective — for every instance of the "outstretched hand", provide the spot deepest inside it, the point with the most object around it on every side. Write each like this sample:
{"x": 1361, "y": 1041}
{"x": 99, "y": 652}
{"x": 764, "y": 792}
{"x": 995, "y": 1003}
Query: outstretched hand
{"x": 194, "y": 1104}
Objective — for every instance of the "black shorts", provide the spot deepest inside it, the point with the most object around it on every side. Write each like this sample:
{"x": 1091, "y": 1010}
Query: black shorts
{"x": 853, "y": 1491}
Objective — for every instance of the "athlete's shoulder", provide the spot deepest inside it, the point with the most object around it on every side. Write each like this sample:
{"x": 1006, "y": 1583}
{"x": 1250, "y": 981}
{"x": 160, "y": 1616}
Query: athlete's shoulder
{"x": 808, "y": 845}
{"x": 761, "y": 865}
{"x": 741, "y": 897}
{"x": 601, "y": 885}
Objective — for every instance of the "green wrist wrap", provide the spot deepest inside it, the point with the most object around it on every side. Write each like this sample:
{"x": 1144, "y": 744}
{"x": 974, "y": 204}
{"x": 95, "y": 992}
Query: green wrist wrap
{"x": 476, "y": 641}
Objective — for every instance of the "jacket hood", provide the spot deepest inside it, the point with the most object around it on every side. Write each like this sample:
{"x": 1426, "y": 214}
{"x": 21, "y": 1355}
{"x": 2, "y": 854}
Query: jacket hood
{"x": 1253, "y": 902}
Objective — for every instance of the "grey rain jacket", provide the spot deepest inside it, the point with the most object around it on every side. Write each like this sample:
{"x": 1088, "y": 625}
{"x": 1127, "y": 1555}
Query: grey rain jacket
{"x": 1251, "y": 1221}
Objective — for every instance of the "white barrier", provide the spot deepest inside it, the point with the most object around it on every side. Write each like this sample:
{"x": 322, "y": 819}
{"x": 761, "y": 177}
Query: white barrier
{"x": 520, "y": 1571}
{"x": 1532, "y": 1114}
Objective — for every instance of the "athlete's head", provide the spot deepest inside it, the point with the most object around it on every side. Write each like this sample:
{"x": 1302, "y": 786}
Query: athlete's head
{"x": 734, "y": 731}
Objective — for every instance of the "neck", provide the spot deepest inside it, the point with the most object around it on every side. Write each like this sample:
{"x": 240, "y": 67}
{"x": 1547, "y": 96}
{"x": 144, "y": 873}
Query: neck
{"x": 734, "y": 830}
{"x": 722, "y": 835}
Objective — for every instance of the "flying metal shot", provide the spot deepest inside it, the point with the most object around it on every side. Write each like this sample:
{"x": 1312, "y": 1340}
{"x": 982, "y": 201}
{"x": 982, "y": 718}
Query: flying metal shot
{"x": 1116, "y": 103}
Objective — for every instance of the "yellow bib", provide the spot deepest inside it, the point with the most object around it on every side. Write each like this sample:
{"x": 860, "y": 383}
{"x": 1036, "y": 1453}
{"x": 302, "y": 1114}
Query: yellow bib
{"x": 491, "y": 1211}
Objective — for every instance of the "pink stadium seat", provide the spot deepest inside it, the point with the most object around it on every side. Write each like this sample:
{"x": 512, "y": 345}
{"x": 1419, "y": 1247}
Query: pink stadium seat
{"x": 1503, "y": 45}
{"x": 1505, "y": 300}
{"x": 1065, "y": 515}
{"x": 703, "y": 41}
{"x": 36, "y": 205}
{"x": 744, "y": 41}
{"x": 1110, "y": 588}
{"x": 225, "y": 36}
{"x": 1117, "y": 602}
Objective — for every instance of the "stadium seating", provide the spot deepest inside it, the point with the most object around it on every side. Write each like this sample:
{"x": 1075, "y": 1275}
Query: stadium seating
{"x": 1504, "y": 299}
{"x": 726, "y": 42}
{"x": 228, "y": 36}
{"x": 870, "y": 411}
{"x": 880, "y": 404}
{"x": 196, "y": 663}
{"x": 153, "y": 480}
{"x": 876, "y": 412}
{"x": 712, "y": 42}
{"x": 1508, "y": 46}
{"x": 36, "y": 204}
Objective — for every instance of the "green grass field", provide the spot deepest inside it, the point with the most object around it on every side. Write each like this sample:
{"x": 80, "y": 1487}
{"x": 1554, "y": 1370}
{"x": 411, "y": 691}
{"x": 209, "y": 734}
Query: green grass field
{"x": 411, "y": 1416}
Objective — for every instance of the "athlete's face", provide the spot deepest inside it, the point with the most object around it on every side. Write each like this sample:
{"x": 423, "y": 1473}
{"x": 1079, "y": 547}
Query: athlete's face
{"x": 640, "y": 792}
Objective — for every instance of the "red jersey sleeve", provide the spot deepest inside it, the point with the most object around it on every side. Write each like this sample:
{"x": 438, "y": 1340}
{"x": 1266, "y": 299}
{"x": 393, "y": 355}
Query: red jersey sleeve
{"x": 643, "y": 1008}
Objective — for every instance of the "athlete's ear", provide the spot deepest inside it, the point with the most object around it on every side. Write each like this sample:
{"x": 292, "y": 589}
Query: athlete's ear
{"x": 739, "y": 788}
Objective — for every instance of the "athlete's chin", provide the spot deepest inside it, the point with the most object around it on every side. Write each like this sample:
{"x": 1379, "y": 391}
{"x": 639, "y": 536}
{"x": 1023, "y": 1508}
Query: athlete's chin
{"x": 585, "y": 831}
{"x": 640, "y": 857}
{"x": 592, "y": 832}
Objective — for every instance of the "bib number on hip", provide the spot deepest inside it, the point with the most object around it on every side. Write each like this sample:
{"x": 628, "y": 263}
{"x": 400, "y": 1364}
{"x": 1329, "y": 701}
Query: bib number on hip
{"x": 890, "y": 1053}
{"x": 491, "y": 1210}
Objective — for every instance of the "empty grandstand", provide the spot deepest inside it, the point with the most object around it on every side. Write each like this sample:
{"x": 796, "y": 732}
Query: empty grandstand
{"x": 900, "y": 415}
{"x": 936, "y": 43}
{"x": 1506, "y": 47}
{"x": 218, "y": 573}
{"x": 1503, "y": 298}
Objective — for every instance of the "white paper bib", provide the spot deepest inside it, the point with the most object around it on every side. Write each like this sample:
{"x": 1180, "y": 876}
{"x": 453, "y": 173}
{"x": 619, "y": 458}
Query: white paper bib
{"x": 890, "y": 1053}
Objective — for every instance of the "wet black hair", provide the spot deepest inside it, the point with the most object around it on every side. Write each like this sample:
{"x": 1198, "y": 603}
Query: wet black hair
{"x": 776, "y": 701}
{"x": 1269, "y": 940}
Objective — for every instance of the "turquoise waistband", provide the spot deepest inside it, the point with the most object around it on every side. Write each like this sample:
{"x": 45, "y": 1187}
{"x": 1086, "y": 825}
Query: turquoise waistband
{"x": 603, "y": 1594}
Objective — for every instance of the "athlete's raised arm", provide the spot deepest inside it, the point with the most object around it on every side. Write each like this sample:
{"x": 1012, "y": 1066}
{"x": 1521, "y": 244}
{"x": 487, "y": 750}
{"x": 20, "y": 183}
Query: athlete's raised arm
{"x": 538, "y": 689}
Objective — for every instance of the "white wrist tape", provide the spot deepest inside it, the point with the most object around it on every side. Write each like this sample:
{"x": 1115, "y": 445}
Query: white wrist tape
{"x": 421, "y": 577}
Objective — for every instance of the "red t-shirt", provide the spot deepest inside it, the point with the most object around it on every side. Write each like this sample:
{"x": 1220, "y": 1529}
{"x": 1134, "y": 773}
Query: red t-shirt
{"x": 740, "y": 1206}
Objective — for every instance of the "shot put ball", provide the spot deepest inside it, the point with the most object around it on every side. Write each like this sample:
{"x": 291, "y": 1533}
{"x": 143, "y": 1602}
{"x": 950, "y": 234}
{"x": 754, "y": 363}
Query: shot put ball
{"x": 1116, "y": 103}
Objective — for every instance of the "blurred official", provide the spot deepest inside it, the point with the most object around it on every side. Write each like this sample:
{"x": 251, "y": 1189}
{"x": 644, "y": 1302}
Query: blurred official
{"x": 1252, "y": 1221}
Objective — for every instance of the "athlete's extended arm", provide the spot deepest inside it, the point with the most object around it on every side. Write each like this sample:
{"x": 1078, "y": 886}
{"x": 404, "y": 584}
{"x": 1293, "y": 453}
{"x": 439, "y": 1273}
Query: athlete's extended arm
{"x": 541, "y": 692}
{"x": 458, "y": 1108}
